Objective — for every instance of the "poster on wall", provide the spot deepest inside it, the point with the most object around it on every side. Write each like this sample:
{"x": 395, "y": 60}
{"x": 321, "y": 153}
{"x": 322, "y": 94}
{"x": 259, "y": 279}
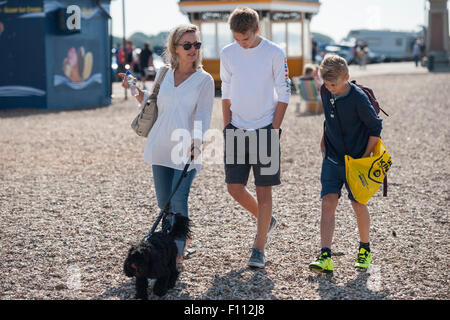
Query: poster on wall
{"x": 77, "y": 66}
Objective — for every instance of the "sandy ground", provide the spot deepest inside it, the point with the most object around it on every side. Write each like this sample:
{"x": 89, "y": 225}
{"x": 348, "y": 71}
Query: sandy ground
{"x": 75, "y": 193}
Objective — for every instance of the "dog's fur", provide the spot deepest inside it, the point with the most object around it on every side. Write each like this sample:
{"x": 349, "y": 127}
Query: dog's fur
{"x": 155, "y": 258}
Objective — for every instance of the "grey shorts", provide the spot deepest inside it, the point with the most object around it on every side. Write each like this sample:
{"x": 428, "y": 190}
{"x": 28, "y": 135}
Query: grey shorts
{"x": 252, "y": 149}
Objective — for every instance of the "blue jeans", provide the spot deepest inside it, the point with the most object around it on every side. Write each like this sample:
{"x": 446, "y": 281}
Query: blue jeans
{"x": 165, "y": 180}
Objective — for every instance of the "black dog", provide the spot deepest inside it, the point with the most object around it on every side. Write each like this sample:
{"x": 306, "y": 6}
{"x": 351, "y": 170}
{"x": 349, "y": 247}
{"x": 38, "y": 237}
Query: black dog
{"x": 155, "y": 258}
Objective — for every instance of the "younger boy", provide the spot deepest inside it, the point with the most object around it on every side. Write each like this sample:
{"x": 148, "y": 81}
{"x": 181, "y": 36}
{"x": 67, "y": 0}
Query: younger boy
{"x": 351, "y": 127}
{"x": 255, "y": 95}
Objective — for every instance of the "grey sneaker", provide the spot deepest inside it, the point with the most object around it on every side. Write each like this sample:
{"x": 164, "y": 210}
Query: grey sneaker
{"x": 257, "y": 259}
{"x": 272, "y": 226}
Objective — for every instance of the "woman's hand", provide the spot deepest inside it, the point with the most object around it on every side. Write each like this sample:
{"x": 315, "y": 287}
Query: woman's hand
{"x": 124, "y": 80}
{"x": 125, "y": 84}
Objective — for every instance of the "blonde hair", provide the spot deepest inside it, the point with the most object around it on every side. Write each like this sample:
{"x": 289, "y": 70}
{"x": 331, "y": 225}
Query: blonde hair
{"x": 333, "y": 67}
{"x": 244, "y": 19}
{"x": 172, "y": 41}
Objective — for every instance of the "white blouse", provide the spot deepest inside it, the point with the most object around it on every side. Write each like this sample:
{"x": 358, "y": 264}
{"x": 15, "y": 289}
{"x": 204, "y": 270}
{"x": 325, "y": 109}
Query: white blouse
{"x": 184, "y": 113}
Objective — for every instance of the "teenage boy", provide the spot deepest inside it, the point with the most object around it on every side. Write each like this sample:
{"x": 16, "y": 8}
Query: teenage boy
{"x": 351, "y": 127}
{"x": 255, "y": 95}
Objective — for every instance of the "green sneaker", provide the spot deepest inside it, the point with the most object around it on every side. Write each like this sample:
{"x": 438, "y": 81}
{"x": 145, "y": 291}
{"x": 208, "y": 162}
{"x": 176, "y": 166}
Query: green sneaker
{"x": 363, "y": 260}
{"x": 323, "y": 264}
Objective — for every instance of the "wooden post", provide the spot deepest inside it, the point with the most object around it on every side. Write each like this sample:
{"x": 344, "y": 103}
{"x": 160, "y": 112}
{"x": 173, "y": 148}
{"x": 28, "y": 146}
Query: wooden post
{"x": 124, "y": 41}
{"x": 303, "y": 44}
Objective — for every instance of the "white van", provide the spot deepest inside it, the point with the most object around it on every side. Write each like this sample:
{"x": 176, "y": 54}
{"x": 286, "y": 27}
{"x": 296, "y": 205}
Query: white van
{"x": 393, "y": 45}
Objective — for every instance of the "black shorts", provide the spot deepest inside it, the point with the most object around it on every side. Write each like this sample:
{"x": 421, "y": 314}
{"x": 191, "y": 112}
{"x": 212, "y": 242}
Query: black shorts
{"x": 246, "y": 149}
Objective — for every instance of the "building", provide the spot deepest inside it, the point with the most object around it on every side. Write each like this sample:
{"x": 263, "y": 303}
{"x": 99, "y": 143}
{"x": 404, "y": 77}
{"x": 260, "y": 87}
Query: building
{"x": 284, "y": 22}
{"x": 55, "y": 54}
{"x": 438, "y": 40}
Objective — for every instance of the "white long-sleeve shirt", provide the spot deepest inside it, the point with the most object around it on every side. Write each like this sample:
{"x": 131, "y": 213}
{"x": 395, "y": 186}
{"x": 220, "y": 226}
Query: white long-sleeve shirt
{"x": 255, "y": 80}
{"x": 184, "y": 113}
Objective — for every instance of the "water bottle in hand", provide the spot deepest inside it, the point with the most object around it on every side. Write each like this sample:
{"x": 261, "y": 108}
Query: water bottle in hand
{"x": 130, "y": 79}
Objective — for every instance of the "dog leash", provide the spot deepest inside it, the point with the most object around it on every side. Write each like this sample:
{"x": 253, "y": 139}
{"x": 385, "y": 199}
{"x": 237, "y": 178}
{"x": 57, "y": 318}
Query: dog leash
{"x": 166, "y": 209}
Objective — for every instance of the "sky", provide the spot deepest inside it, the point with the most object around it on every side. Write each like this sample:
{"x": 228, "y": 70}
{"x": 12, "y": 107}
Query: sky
{"x": 335, "y": 18}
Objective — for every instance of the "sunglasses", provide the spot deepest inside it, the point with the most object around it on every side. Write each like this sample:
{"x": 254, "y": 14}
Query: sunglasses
{"x": 187, "y": 46}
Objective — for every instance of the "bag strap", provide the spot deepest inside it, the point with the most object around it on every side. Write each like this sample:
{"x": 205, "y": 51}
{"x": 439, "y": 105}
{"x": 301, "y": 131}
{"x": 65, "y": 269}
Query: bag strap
{"x": 166, "y": 209}
{"x": 158, "y": 82}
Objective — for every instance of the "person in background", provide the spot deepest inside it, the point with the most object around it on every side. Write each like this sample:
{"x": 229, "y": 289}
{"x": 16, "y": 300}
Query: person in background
{"x": 145, "y": 61}
{"x": 129, "y": 54}
{"x": 416, "y": 52}
{"x": 311, "y": 72}
{"x": 355, "y": 52}
{"x": 120, "y": 59}
{"x": 362, "y": 52}
{"x": 314, "y": 51}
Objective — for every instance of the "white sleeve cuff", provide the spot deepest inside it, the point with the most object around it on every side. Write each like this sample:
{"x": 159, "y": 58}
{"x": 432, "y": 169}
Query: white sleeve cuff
{"x": 226, "y": 91}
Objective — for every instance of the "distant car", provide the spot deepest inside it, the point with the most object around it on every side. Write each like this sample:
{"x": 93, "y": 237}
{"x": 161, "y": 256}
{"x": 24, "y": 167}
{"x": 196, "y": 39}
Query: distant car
{"x": 347, "y": 52}
{"x": 344, "y": 51}
{"x": 374, "y": 57}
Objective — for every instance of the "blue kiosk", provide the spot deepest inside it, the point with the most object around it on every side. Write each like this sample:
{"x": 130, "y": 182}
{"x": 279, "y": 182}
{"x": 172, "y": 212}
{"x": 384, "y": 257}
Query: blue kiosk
{"x": 55, "y": 54}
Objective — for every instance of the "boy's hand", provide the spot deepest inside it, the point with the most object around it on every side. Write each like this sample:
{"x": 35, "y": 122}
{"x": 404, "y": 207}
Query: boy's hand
{"x": 370, "y": 145}
{"x": 278, "y": 116}
{"x": 226, "y": 112}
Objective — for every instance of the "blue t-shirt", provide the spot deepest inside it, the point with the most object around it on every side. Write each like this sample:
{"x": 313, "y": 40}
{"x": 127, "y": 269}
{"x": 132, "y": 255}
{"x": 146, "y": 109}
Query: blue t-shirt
{"x": 358, "y": 121}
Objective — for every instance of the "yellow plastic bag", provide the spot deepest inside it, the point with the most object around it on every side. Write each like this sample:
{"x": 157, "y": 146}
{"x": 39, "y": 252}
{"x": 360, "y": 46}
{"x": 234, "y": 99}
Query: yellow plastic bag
{"x": 365, "y": 175}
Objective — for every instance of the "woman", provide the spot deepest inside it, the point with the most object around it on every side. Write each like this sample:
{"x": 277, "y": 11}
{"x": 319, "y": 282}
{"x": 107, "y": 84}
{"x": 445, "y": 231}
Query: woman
{"x": 185, "y": 102}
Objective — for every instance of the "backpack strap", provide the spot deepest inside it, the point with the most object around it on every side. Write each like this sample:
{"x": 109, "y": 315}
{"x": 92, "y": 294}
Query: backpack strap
{"x": 323, "y": 91}
{"x": 373, "y": 100}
